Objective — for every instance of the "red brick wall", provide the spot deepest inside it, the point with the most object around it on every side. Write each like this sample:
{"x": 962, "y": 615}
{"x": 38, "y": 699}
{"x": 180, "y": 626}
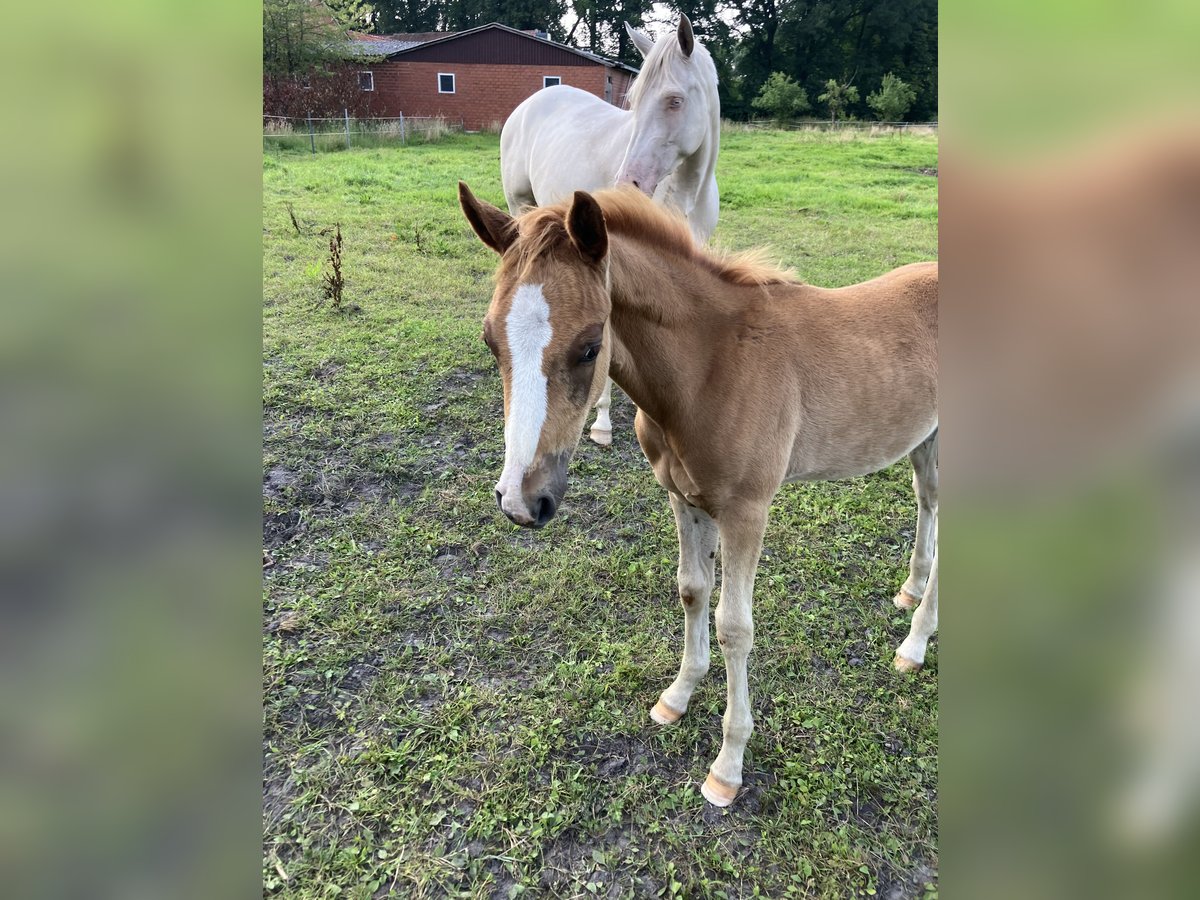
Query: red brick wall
{"x": 622, "y": 81}
{"x": 483, "y": 93}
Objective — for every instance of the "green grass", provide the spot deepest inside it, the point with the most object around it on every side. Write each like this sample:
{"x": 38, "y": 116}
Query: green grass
{"x": 455, "y": 707}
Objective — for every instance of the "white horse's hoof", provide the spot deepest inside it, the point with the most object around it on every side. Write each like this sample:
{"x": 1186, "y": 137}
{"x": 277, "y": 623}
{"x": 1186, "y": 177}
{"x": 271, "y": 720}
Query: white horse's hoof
{"x": 905, "y": 600}
{"x": 904, "y": 664}
{"x": 718, "y": 792}
{"x": 664, "y": 715}
{"x": 601, "y": 437}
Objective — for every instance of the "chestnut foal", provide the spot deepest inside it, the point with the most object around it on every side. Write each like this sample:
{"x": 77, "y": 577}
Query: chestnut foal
{"x": 744, "y": 378}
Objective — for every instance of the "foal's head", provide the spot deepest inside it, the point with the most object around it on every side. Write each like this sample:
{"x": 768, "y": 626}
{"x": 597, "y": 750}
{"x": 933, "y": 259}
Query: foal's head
{"x": 674, "y": 103}
{"x": 547, "y": 326}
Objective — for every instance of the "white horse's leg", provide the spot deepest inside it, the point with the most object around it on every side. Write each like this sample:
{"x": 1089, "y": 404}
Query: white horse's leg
{"x": 698, "y": 536}
{"x": 601, "y": 431}
{"x": 925, "y": 485}
{"x": 911, "y": 655}
{"x": 741, "y": 544}
{"x": 519, "y": 198}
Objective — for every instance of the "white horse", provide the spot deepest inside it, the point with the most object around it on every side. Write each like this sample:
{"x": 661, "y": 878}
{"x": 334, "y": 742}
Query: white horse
{"x": 563, "y": 139}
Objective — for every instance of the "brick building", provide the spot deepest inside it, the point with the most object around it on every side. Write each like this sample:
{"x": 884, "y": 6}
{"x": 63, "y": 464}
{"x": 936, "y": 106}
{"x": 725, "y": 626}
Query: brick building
{"x": 480, "y": 75}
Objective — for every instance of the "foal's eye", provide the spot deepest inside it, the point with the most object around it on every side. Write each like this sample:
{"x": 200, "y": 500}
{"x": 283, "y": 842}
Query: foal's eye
{"x": 590, "y": 354}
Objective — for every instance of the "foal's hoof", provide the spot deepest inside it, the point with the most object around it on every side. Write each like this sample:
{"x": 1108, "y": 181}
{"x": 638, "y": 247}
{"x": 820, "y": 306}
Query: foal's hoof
{"x": 600, "y": 436}
{"x": 664, "y": 715}
{"x": 905, "y": 600}
{"x": 904, "y": 664}
{"x": 717, "y": 792}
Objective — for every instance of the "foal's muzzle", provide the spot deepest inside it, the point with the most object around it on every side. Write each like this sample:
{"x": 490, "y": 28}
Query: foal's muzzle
{"x": 541, "y": 511}
{"x": 542, "y": 491}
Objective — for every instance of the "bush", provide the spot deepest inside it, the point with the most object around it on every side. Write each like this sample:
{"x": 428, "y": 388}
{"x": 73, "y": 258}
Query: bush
{"x": 781, "y": 98}
{"x": 837, "y": 97}
{"x": 892, "y": 100}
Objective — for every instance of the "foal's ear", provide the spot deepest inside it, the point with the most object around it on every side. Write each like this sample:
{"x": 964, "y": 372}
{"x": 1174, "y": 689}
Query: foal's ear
{"x": 640, "y": 40}
{"x": 495, "y": 228}
{"x": 586, "y": 228}
{"x": 687, "y": 38}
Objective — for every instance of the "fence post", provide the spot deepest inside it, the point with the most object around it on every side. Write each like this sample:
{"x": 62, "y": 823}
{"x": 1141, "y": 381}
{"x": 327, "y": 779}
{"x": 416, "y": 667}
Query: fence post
{"x": 312, "y": 140}
{"x": 346, "y": 113}
{"x": 403, "y": 140}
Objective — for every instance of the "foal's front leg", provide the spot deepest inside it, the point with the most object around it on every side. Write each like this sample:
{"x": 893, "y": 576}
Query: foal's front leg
{"x": 601, "y": 432}
{"x": 910, "y": 657}
{"x": 698, "y": 537}
{"x": 741, "y": 544}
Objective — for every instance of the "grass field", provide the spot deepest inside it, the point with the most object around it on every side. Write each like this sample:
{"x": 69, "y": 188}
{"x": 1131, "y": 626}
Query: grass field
{"x": 455, "y": 707}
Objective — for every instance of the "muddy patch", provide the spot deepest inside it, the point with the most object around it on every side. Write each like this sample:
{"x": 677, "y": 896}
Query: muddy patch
{"x": 325, "y": 372}
{"x": 360, "y": 674}
{"x": 575, "y": 857}
{"x": 609, "y": 757}
{"x": 897, "y": 885}
{"x": 277, "y": 481}
{"x": 280, "y": 527}
{"x": 463, "y": 381}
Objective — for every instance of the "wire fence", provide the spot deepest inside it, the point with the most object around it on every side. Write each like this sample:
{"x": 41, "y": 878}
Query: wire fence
{"x": 324, "y": 134}
{"x": 826, "y": 125}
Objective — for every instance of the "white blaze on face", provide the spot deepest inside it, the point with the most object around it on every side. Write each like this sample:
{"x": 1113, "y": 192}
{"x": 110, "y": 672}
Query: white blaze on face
{"x": 527, "y": 329}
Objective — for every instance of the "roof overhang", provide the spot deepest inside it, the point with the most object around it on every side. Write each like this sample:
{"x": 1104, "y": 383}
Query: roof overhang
{"x": 376, "y": 47}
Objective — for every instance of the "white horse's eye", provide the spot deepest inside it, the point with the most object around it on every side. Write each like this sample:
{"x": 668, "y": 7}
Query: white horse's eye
{"x": 675, "y": 103}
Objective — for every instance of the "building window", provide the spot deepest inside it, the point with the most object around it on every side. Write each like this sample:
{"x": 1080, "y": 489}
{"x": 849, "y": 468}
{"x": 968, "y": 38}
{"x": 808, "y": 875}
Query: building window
{"x": 550, "y": 80}
{"x": 366, "y": 81}
{"x": 445, "y": 83}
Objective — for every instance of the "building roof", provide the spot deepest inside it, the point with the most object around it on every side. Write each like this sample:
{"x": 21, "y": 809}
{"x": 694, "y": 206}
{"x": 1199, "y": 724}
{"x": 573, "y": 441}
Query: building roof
{"x": 393, "y": 45}
{"x": 387, "y": 44}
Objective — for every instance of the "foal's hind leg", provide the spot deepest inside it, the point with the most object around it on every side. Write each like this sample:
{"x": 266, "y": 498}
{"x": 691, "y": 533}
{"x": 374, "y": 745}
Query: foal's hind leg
{"x": 921, "y": 586}
{"x": 697, "y": 574}
{"x": 925, "y": 484}
{"x": 601, "y": 431}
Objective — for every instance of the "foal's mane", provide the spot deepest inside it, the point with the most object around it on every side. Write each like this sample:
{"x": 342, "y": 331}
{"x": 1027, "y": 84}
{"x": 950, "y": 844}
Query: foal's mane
{"x": 630, "y": 213}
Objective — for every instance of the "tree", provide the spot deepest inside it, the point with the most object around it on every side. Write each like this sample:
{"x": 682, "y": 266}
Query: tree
{"x": 892, "y": 100}
{"x": 305, "y": 53}
{"x": 300, "y": 36}
{"x": 600, "y": 27}
{"x": 837, "y": 97}
{"x": 409, "y": 16}
{"x": 808, "y": 40}
{"x": 781, "y": 98}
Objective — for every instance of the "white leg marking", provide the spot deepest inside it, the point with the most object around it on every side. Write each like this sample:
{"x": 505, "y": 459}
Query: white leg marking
{"x": 922, "y": 577}
{"x": 601, "y": 431}
{"x": 527, "y": 328}
{"x": 911, "y": 655}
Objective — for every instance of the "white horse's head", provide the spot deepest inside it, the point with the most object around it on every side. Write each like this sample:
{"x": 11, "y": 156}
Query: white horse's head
{"x": 674, "y": 104}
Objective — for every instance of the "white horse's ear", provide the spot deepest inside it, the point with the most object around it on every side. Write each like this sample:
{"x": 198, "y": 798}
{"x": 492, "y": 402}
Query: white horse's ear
{"x": 640, "y": 40}
{"x": 687, "y": 38}
{"x": 495, "y": 227}
{"x": 586, "y": 228}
